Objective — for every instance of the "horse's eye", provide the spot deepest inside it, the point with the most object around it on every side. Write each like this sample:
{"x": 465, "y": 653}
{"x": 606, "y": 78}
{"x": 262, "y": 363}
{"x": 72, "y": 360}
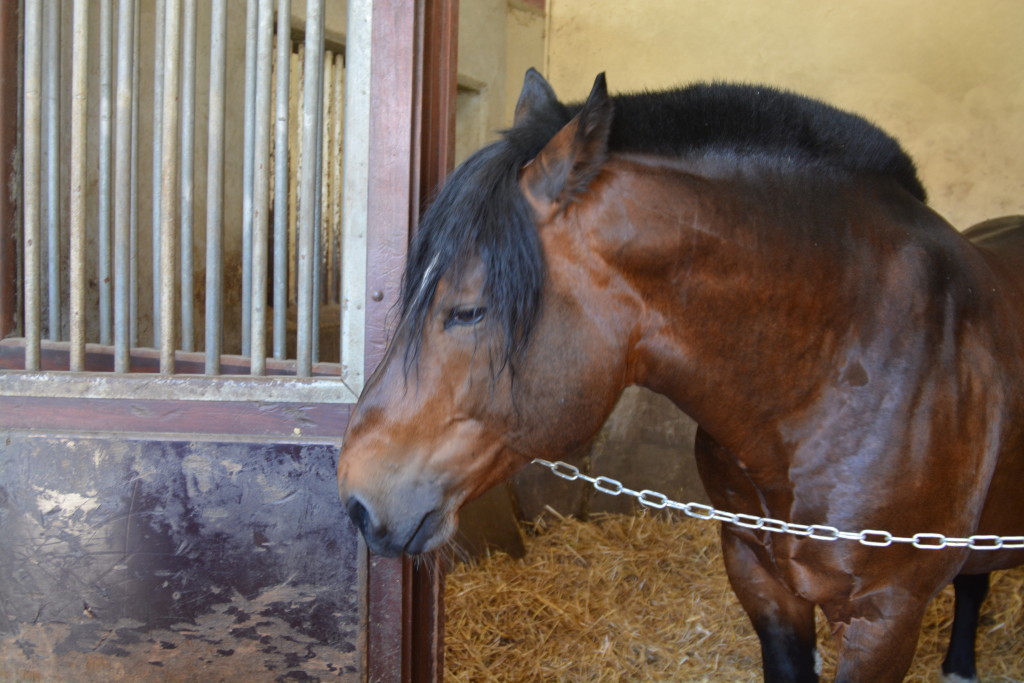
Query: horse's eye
{"x": 465, "y": 316}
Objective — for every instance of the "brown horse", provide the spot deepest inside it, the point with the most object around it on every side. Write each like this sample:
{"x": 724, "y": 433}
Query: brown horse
{"x": 768, "y": 263}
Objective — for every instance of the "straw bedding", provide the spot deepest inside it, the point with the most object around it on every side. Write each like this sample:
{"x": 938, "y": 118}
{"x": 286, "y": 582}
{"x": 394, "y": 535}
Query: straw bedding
{"x": 645, "y": 598}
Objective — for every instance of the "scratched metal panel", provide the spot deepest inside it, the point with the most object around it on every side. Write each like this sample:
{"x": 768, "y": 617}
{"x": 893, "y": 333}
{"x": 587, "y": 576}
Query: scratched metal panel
{"x": 140, "y": 560}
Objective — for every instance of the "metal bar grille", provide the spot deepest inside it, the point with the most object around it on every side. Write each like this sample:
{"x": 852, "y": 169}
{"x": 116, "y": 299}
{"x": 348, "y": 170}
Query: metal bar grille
{"x": 133, "y": 247}
{"x": 123, "y": 184}
{"x": 251, "y": 35}
{"x": 168, "y": 186}
{"x": 105, "y": 279}
{"x": 161, "y": 234}
{"x": 33, "y": 70}
{"x": 309, "y": 178}
{"x": 214, "y": 190}
{"x": 79, "y": 95}
{"x": 160, "y": 10}
{"x": 188, "y": 124}
{"x": 261, "y": 188}
{"x": 355, "y": 198}
{"x": 282, "y": 73}
{"x": 51, "y": 96}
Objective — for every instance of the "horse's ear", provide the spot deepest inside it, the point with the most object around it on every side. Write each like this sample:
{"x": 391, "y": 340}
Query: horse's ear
{"x": 537, "y": 94}
{"x": 573, "y": 157}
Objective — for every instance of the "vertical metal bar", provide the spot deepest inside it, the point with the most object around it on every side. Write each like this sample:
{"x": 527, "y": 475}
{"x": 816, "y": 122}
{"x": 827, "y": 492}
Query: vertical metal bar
{"x": 160, "y": 13}
{"x": 188, "y": 97}
{"x": 133, "y": 250}
{"x": 318, "y": 208}
{"x": 32, "y": 134}
{"x": 283, "y": 71}
{"x": 338, "y": 152}
{"x": 215, "y": 190}
{"x": 261, "y": 189}
{"x": 51, "y": 121}
{"x": 311, "y": 112}
{"x": 79, "y": 95}
{"x": 327, "y": 169}
{"x": 122, "y": 184}
{"x": 248, "y": 158}
{"x": 294, "y": 137}
{"x": 103, "y": 185}
{"x": 168, "y": 229}
{"x": 358, "y": 49}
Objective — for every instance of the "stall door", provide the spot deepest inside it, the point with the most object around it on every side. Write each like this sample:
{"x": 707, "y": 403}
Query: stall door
{"x": 197, "y": 263}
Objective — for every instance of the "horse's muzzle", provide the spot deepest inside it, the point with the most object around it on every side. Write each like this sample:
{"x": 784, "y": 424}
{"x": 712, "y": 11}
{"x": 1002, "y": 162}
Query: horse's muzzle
{"x": 382, "y": 540}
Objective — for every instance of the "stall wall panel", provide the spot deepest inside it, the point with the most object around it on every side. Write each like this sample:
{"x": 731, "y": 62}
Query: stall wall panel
{"x": 44, "y": 631}
{"x": 141, "y": 560}
{"x": 942, "y": 76}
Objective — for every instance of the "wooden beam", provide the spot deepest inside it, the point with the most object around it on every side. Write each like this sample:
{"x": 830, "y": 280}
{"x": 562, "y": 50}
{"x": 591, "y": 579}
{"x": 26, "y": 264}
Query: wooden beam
{"x": 148, "y": 420}
{"x": 437, "y": 30}
{"x": 54, "y": 356}
{"x": 438, "y": 77}
{"x": 411, "y": 150}
{"x": 389, "y": 219}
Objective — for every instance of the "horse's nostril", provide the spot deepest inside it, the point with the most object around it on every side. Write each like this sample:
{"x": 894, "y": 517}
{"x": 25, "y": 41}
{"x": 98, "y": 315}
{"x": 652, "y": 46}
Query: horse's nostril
{"x": 376, "y": 535}
{"x": 357, "y": 512}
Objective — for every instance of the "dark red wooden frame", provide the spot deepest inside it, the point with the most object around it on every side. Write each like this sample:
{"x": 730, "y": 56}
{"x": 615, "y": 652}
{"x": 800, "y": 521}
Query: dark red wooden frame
{"x": 425, "y": 40}
{"x": 413, "y": 88}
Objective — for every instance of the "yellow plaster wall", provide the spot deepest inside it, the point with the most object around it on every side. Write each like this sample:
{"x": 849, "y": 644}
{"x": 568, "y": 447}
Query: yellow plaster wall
{"x": 525, "y": 43}
{"x": 498, "y": 41}
{"x": 946, "y": 77}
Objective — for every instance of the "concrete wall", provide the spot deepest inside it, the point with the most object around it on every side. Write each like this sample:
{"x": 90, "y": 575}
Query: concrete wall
{"x": 481, "y": 74}
{"x": 525, "y": 47}
{"x": 945, "y": 77}
{"x": 498, "y": 41}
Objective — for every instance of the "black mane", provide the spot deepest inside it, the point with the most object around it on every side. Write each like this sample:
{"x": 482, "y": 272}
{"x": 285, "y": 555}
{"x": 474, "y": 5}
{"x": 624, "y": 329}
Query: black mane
{"x": 749, "y": 119}
{"x": 480, "y": 211}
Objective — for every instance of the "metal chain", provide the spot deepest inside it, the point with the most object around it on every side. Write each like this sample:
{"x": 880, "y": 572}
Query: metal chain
{"x": 821, "y": 532}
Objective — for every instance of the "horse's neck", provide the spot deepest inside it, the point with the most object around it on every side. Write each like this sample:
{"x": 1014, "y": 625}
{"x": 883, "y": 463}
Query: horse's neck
{"x": 748, "y": 291}
{"x": 844, "y": 329}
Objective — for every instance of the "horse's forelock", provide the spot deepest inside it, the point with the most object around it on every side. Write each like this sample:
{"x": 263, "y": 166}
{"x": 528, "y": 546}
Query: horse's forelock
{"x": 480, "y": 213}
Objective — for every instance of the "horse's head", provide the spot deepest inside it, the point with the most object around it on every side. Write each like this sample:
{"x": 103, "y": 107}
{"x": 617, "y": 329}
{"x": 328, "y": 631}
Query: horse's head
{"x": 495, "y": 356}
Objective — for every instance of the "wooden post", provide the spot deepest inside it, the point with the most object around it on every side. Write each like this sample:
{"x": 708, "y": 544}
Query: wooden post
{"x": 412, "y": 146}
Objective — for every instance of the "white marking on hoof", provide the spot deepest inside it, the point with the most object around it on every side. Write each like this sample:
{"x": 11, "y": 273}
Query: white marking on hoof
{"x": 957, "y": 678}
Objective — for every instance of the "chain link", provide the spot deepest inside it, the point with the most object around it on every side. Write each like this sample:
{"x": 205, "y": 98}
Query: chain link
{"x": 869, "y": 537}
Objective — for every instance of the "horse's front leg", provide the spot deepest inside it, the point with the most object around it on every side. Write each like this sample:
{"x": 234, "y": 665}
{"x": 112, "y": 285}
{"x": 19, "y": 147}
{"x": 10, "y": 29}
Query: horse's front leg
{"x": 876, "y": 635}
{"x": 784, "y": 622}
